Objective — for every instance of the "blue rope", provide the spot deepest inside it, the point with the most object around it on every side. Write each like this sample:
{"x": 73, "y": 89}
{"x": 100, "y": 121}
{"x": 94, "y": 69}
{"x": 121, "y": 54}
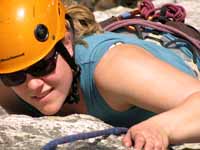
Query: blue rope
{"x": 82, "y": 136}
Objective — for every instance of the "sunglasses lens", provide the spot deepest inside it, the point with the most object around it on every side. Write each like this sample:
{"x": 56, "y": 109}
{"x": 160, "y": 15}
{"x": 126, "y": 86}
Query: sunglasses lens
{"x": 13, "y": 79}
{"x": 43, "y": 67}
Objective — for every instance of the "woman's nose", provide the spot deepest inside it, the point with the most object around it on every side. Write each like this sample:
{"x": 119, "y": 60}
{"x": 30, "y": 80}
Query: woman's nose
{"x": 34, "y": 83}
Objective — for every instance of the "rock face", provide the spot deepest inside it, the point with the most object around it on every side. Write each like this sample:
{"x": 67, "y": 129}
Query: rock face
{"x": 20, "y": 132}
{"x": 95, "y": 5}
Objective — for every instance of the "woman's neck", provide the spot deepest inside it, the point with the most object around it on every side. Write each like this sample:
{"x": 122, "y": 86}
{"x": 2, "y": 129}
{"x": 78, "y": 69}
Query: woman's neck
{"x": 79, "y": 108}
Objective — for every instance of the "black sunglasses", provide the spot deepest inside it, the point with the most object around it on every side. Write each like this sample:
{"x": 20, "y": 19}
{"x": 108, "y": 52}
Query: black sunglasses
{"x": 41, "y": 68}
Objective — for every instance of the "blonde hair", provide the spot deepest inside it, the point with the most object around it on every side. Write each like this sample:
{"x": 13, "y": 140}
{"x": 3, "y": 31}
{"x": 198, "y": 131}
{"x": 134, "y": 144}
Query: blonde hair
{"x": 84, "y": 22}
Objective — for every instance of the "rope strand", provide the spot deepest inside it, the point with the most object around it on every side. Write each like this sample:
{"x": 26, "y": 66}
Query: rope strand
{"x": 171, "y": 11}
{"x": 82, "y": 136}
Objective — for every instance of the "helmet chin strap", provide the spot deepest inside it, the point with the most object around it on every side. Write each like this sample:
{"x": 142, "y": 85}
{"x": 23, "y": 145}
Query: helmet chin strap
{"x": 73, "y": 96}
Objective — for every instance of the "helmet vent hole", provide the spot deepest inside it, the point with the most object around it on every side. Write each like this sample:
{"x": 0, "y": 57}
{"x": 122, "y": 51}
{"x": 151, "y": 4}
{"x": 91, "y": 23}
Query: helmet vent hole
{"x": 59, "y": 9}
{"x": 53, "y": 37}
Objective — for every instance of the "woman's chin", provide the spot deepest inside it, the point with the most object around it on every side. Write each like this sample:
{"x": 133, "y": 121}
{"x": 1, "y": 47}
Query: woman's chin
{"x": 50, "y": 109}
{"x": 51, "y": 104}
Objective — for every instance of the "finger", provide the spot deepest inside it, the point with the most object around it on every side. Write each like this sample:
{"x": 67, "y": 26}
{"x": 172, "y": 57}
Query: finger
{"x": 158, "y": 146}
{"x": 158, "y": 142}
{"x": 165, "y": 143}
{"x": 149, "y": 145}
{"x": 127, "y": 140}
{"x": 139, "y": 141}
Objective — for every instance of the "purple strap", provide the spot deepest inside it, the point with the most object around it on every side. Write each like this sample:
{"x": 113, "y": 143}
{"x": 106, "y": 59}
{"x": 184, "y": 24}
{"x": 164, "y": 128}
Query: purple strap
{"x": 162, "y": 27}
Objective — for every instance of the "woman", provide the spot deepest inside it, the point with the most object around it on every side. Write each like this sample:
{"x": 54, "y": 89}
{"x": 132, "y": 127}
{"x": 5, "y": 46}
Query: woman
{"x": 62, "y": 64}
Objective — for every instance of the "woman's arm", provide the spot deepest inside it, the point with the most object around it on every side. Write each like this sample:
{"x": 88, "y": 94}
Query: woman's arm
{"x": 176, "y": 126}
{"x": 128, "y": 75}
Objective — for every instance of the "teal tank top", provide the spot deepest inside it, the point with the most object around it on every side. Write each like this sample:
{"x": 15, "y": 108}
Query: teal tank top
{"x": 88, "y": 58}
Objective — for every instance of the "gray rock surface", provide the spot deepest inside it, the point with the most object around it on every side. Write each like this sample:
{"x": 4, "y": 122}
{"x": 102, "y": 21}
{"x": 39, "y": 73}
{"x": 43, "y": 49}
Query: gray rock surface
{"x": 20, "y": 132}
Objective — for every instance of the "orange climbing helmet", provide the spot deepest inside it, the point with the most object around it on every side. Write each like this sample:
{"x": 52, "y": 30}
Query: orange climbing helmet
{"x": 29, "y": 29}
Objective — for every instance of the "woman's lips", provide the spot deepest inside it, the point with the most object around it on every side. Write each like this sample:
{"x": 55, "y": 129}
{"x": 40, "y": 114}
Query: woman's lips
{"x": 42, "y": 95}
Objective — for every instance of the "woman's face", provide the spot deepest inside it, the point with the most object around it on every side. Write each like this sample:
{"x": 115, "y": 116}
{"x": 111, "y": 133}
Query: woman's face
{"x": 47, "y": 93}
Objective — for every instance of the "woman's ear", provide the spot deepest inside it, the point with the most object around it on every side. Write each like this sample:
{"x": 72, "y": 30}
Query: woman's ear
{"x": 67, "y": 41}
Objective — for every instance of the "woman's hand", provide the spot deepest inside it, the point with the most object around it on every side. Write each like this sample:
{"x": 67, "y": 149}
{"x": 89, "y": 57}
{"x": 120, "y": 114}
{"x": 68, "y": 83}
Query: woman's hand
{"x": 147, "y": 135}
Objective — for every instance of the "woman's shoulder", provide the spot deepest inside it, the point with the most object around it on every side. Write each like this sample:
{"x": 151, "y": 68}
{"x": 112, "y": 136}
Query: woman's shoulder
{"x": 97, "y": 45}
